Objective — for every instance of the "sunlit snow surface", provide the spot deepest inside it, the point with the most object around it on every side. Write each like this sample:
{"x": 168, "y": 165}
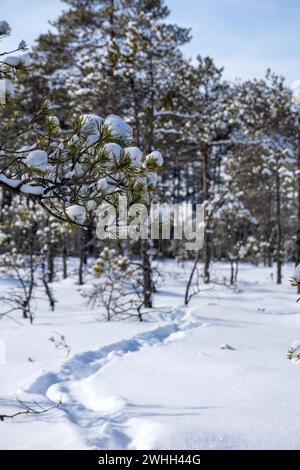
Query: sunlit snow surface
{"x": 211, "y": 376}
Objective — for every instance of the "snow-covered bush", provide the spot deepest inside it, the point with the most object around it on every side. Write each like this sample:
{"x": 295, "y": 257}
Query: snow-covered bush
{"x": 117, "y": 286}
{"x": 295, "y": 278}
{"x": 294, "y": 351}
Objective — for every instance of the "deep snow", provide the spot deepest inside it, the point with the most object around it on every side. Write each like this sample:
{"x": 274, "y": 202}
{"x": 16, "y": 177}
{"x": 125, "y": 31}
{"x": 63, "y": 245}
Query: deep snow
{"x": 167, "y": 383}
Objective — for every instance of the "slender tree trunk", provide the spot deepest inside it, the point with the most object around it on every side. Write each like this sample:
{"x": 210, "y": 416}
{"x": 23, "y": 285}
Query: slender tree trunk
{"x": 151, "y": 108}
{"x": 50, "y": 263}
{"x": 236, "y": 271}
{"x": 270, "y": 259}
{"x": 28, "y": 291}
{"x": 269, "y": 229}
{"x": 48, "y": 290}
{"x": 136, "y": 112}
{"x": 80, "y": 270}
{"x": 147, "y": 273}
{"x": 187, "y": 296}
{"x": 87, "y": 240}
{"x": 65, "y": 260}
{"x": 231, "y": 272}
{"x": 278, "y": 230}
{"x": 206, "y": 189}
{"x": 82, "y": 254}
{"x": 298, "y": 207}
{"x": 6, "y": 200}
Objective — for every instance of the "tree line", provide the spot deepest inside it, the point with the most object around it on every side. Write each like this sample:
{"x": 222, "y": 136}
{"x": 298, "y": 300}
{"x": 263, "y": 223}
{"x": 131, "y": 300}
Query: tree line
{"x": 232, "y": 146}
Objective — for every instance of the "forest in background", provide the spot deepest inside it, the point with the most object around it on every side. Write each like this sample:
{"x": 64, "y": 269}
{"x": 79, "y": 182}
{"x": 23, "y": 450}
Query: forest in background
{"x": 234, "y": 147}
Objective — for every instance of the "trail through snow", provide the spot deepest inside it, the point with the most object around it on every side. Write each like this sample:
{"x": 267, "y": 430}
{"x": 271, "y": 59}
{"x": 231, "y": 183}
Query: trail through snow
{"x": 97, "y": 408}
{"x": 213, "y": 375}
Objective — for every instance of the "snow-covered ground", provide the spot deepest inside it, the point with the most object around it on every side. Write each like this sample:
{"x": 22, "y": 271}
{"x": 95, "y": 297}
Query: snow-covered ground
{"x": 166, "y": 383}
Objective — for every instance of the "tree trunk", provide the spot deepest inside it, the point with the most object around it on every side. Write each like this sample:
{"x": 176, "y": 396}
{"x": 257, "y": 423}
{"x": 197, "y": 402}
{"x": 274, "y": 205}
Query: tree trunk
{"x": 231, "y": 272}
{"x": 65, "y": 261}
{"x": 47, "y": 288}
{"x": 6, "y": 200}
{"x": 87, "y": 240}
{"x": 269, "y": 226}
{"x": 82, "y": 253}
{"x": 147, "y": 273}
{"x": 298, "y": 207}
{"x": 236, "y": 271}
{"x": 187, "y": 296}
{"x": 50, "y": 263}
{"x": 28, "y": 291}
{"x": 278, "y": 230}
{"x": 206, "y": 188}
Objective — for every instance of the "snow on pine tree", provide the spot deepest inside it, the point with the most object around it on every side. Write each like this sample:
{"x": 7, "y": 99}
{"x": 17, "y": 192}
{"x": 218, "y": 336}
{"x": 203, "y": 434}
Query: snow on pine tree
{"x": 127, "y": 47}
{"x": 295, "y": 278}
{"x": 206, "y": 122}
{"x": 294, "y": 351}
{"x": 70, "y": 173}
{"x": 266, "y": 139}
{"x": 12, "y": 65}
{"x": 86, "y": 34}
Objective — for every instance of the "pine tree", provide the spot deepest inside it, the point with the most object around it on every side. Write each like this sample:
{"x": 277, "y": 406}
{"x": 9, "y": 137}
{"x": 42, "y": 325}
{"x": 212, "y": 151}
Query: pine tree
{"x": 267, "y": 129}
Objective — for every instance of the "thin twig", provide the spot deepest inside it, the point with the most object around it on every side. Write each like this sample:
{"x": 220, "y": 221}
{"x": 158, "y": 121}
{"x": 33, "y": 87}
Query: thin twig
{"x": 27, "y": 410}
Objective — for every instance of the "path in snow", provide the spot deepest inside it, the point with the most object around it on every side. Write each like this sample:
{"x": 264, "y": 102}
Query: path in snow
{"x": 98, "y": 409}
{"x": 166, "y": 383}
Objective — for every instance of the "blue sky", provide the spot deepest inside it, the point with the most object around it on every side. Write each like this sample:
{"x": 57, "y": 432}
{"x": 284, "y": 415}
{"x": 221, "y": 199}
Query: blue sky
{"x": 244, "y": 36}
